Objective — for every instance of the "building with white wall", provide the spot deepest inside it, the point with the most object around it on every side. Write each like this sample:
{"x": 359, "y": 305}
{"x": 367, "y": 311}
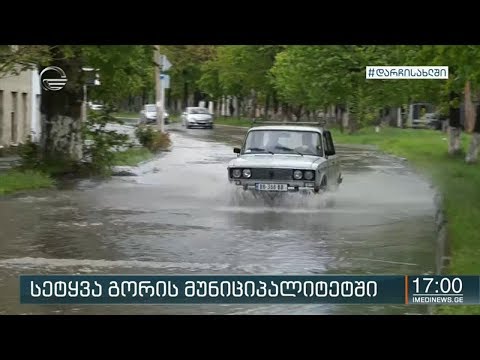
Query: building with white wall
{"x": 19, "y": 108}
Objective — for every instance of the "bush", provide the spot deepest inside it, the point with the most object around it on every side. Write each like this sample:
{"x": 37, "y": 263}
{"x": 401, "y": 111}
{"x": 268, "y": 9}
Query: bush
{"x": 30, "y": 155}
{"x": 99, "y": 155}
{"x": 153, "y": 140}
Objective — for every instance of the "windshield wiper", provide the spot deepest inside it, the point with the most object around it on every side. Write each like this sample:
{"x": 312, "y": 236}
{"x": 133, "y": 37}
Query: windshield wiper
{"x": 260, "y": 149}
{"x": 288, "y": 149}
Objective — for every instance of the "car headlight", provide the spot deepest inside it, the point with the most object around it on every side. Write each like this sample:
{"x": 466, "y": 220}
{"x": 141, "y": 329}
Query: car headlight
{"x": 246, "y": 173}
{"x": 308, "y": 175}
{"x": 236, "y": 173}
{"x": 297, "y": 174}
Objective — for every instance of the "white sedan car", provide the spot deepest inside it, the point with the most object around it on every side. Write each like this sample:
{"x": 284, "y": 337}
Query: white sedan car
{"x": 284, "y": 158}
{"x": 148, "y": 115}
{"x": 197, "y": 116}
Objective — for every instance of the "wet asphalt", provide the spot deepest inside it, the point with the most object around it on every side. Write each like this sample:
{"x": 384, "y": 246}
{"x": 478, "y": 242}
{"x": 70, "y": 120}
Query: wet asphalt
{"x": 178, "y": 217}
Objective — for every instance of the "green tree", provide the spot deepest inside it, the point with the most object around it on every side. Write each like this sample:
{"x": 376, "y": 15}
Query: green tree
{"x": 123, "y": 70}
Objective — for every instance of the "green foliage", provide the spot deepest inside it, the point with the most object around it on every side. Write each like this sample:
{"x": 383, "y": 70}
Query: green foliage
{"x": 30, "y": 155}
{"x": 187, "y": 63}
{"x": 100, "y": 153}
{"x": 132, "y": 157}
{"x": 17, "y": 180}
{"x": 33, "y": 158}
{"x": 238, "y": 69}
{"x": 153, "y": 140}
{"x": 17, "y": 58}
{"x": 125, "y": 70}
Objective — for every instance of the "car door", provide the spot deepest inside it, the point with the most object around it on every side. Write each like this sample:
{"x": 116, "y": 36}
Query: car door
{"x": 332, "y": 159}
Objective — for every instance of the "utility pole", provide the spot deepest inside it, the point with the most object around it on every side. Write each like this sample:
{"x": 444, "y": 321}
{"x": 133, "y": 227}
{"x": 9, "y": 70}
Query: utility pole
{"x": 159, "y": 88}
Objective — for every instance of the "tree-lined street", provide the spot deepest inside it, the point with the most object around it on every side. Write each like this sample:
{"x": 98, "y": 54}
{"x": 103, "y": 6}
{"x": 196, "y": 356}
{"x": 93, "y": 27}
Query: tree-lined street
{"x": 179, "y": 215}
{"x": 178, "y": 219}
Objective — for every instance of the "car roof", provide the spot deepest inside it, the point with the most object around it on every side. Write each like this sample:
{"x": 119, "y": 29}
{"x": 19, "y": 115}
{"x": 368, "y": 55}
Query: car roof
{"x": 287, "y": 128}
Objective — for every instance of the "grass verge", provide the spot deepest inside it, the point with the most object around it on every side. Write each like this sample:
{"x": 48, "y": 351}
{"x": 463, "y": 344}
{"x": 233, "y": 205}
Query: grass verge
{"x": 233, "y": 121}
{"x": 458, "y": 182}
{"x": 132, "y": 157}
{"x": 124, "y": 114}
{"x": 18, "y": 180}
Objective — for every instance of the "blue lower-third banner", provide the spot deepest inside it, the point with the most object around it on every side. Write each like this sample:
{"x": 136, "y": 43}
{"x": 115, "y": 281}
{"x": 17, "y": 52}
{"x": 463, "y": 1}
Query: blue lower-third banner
{"x": 249, "y": 289}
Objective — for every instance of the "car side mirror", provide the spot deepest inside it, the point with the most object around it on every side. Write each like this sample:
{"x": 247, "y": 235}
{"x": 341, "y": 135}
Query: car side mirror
{"x": 236, "y": 150}
{"x": 142, "y": 112}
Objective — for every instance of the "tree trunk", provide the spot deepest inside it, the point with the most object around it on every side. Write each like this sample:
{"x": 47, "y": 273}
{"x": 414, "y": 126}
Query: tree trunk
{"x": 298, "y": 113}
{"x": 345, "y": 117}
{"x": 61, "y": 112}
{"x": 253, "y": 113}
{"x": 236, "y": 112}
{"x": 454, "y": 122}
{"x": 218, "y": 111}
{"x": 469, "y": 109}
{"x": 472, "y": 153}
{"x": 453, "y": 140}
{"x": 179, "y": 107}
{"x": 144, "y": 96}
{"x": 197, "y": 97}
{"x": 267, "y": 106}
{"x": 352, "y": 121}
{"x": 340, "y": 113}
{"x": 275, "y": 105}
{"x": 185, "y": 94}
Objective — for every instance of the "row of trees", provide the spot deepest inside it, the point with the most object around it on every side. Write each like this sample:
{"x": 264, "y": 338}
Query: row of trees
{"x": 299, "y": 81}
{"x": 124, "y": 71}
{"x": 303, "y": 79}
{"x": 295, "y": 81}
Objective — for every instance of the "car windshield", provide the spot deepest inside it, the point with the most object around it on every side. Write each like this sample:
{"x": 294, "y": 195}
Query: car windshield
{"x": 151, "y": 108}
{"x": 283, "y": 142}
{"x": 198, "y": 111}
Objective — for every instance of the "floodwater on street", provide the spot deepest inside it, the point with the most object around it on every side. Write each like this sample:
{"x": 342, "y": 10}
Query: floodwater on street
{"x": 178, "y": 218}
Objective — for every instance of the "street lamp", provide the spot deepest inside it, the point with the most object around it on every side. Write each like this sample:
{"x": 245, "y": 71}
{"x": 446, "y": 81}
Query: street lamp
{"x": 92, "y": 78}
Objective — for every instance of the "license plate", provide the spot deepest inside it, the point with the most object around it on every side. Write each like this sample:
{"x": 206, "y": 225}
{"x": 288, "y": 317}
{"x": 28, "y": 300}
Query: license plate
{"x": 271, "y": 187}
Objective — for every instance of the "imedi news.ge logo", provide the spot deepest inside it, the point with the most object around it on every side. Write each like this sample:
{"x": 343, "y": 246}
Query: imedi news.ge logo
{"x": 56, "y": 80}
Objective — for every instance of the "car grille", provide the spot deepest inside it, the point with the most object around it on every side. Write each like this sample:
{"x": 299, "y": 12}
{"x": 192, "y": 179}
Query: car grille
{"x": 272, "y": 174}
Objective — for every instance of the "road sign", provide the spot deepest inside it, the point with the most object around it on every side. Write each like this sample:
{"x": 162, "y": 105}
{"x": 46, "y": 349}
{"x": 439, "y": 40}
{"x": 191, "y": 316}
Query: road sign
{"x": 165, "y": 79}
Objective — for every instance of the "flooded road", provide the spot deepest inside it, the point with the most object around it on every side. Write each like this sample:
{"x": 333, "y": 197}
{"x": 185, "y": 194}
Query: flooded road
{"x": 178, "y": 218}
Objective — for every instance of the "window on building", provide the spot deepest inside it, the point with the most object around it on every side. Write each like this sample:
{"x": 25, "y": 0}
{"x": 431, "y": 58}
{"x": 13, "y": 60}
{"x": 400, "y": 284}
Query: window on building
{"x": 25, "y": 126}
{"x": 1, "y": 116}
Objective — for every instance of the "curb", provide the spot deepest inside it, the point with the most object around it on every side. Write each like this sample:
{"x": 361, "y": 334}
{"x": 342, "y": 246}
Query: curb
{"x": 126, "y": 170}
{"x": 443, "y": 255}
{"x": 442, "y": 243}
{"x": 232, "y": 126}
